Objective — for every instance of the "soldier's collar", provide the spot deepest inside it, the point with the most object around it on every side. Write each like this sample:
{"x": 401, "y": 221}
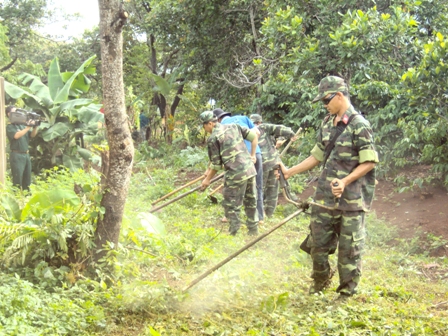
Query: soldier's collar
{"x": 346, "y": 116}
{"x": 216, "y": 127}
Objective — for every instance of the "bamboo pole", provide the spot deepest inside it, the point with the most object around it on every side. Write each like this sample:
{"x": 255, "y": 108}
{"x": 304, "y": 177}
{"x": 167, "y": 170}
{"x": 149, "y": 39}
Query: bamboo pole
{"x": 241, "y": 250}
{"x": 216, "y": 190}
{"x": 290, "y": 142}
{"x": 184, "y": 194}
{"x": 178, "y": 189}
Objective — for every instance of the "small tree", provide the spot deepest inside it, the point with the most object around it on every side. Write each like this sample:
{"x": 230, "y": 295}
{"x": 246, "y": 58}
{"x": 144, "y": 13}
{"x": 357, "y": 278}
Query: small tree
{"x": 112, "y": 19}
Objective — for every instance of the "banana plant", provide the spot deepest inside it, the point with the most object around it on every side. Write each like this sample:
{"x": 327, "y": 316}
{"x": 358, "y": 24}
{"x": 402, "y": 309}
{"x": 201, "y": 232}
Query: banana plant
{"x": 66, "y": 115}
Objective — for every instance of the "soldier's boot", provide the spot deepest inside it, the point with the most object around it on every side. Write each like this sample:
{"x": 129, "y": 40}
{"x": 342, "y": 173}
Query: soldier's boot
{"x": 319, "y": 285}
{"x": 233, "y": 229}
{"x": 253, "y": 232}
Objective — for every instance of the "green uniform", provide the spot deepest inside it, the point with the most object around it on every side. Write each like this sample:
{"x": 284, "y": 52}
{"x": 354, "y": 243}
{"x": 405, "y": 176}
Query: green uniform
{"x": 19, "y": 158}
{"x": 266, "y": 141}
{"x": 226, "y": 149}
{"x": 341, "y": 221}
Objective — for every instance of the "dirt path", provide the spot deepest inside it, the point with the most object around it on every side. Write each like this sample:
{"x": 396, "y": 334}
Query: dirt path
{"x": 414, "y": 213}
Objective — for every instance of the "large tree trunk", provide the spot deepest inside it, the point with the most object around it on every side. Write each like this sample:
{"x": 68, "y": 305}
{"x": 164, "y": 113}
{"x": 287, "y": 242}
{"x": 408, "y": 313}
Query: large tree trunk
{"x": 121, "y": 148}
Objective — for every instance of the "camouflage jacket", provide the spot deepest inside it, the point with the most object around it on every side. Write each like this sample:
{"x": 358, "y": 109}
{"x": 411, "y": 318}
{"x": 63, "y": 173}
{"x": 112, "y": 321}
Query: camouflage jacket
{"x": 226, "y": 148}
{"x": 354, "y": 146}
{"x": 266, "y": 141}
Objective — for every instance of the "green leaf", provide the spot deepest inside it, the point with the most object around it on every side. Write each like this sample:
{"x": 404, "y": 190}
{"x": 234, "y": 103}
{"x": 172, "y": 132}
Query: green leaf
{"x": 151, "y": 223}
{"x": 38, "y": 88}
{"x": 55, "y": 82}
{"x": 358, "y": 324}
{"x": 85, "y": 153}
{"x": 74, "y": 103}
{"x": 11, "y": 207}
{"x": 82, "y": 83}
{"x": 53, "y": 201}
{"x": 153, "y": 332}
{"x": 162, "y": 85}
{"x": 72, "y": 162}
{"x": 64, "y": 93}
{"x": 57, "y": 130}
{"x": 90, "y": 114}
{"x": 16, "y": 92}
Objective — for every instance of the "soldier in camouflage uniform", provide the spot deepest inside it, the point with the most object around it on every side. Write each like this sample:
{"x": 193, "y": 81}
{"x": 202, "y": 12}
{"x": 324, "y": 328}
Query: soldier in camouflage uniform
{"x": 266, "y": 141}
{"x": 225, "y": 118}
{"x": 345, "y": 189}
{"x": 226, "y": 148}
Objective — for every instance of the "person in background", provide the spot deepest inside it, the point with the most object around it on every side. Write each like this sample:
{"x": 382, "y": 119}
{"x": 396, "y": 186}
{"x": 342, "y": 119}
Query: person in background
{"x": 226, "y": 148}
{"x": 267, "y": 143}
{"x": 345, "y": 189}
{"x": 226, "y": 118}
{"x": 19, "y": 158}
{"x": 144, "y": 124}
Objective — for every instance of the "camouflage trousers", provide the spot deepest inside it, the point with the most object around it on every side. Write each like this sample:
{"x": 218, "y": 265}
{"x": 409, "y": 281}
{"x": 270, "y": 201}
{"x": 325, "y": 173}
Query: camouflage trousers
{"x": 270, "y": 192}
{"x": 330, "y": 228}
{"x": 236, "y": 195}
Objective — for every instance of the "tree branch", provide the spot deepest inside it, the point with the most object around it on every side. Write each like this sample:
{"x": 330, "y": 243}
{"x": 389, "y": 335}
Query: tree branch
{"x": 165, "y": 63}
{"x": 9, "y": 66}
{"x": 254, "y": 31}
{"x": 153, "y": 54}
{"x": 176, "y": 101}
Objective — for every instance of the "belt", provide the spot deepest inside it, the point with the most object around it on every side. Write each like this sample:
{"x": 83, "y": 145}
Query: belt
{"x": 16, "y": 151}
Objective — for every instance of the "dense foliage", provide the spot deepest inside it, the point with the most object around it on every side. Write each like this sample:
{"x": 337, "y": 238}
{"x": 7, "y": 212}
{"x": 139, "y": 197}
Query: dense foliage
{"x": 66, "y": 116}
{"x": 268, "y": 57}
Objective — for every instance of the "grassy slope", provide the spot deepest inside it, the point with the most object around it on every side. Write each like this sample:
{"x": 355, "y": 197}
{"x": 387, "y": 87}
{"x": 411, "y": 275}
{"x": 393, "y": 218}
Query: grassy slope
{"x": 264, "y": 290}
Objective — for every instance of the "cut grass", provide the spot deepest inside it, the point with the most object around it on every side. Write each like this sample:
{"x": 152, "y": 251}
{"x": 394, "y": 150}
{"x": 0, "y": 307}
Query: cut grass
{"x": 264, "y": 290}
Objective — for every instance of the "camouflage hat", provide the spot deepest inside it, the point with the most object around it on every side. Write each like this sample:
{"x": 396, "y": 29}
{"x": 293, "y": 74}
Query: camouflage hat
{"x": 207, "y": 116}
{"x": 330, "y": 84}
{"x": 256, "y": 118}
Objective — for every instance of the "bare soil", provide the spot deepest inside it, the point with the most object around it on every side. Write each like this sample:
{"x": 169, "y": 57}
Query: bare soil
{"x": 417, "y": 213}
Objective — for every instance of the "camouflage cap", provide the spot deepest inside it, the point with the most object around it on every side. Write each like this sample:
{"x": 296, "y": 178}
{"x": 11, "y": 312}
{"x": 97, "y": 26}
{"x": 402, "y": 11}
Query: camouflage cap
{"x": 256, "y": 118}
{"x": 330, "y": 84}
{"x": 207, "y": 116}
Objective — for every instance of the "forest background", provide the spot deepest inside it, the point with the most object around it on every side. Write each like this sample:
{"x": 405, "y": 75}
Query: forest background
{"x": 179, "y": 59}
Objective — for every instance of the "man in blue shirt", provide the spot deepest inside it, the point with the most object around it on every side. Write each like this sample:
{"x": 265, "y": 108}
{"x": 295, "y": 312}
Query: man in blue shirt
{"x": 226, "y": 118}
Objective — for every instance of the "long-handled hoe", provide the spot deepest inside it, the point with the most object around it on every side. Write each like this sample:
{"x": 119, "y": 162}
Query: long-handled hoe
{"x": 302, "y": 207}
{"x": 213, "y": 198}
{"x": 216, "y": 178}
{"x": 290, "y": 142}
{"x": 178, "y": 189}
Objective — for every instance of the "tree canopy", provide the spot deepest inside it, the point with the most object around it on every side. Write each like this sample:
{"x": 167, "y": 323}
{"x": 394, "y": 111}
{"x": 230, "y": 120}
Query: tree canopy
{"x": 268, "y": 57}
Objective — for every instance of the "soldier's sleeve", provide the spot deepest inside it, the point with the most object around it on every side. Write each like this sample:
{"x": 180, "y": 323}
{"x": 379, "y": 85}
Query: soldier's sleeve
{"x": 10, "y": 131}
{"x": 214, "y": 155}
{"x": 318, "y": 150}
{"x": 364, "y": 142}
{"x": 247, "y": 133}
{"x": 284, "y": 131}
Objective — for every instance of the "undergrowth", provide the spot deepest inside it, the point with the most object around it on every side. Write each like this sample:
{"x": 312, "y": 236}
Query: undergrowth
{"x": 263, "y": 291}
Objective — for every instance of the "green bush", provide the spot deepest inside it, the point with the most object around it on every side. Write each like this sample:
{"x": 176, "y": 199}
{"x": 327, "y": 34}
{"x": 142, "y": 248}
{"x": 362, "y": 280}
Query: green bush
{"x": 27, "y": 310}
{"x": 52, "y": 227}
